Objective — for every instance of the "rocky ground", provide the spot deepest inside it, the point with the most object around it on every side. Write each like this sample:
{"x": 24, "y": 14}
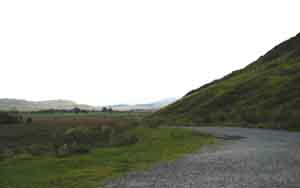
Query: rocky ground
{"x": 246, "y": 158}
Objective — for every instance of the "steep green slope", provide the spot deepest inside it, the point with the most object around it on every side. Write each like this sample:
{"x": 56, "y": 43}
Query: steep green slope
{"x": 267, "y": 91}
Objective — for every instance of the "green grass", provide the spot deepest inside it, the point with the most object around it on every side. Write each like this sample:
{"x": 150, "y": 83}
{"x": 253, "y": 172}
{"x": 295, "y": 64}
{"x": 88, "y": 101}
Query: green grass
{"x": 89, "y": 170}
{"x": 114, "y": 114}
{"x": 264, "y": 92}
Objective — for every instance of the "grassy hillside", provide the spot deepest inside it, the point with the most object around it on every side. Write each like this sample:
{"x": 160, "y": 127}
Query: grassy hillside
{"x": 267, "y": 92}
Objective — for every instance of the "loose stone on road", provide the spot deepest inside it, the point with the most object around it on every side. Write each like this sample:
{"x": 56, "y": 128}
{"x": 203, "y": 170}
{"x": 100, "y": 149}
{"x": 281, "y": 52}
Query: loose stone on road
{"x": 260, "y": 159}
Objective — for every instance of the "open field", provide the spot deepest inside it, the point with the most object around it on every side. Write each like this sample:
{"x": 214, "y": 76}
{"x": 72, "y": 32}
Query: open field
{"x": 127, "y": 146}
{"x": 47, "y": 130}
{"x": 115, "y": 114}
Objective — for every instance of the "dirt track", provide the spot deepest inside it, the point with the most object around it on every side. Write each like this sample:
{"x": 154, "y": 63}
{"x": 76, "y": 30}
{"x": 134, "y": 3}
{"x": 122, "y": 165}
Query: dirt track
{"x": 261, "y": 159}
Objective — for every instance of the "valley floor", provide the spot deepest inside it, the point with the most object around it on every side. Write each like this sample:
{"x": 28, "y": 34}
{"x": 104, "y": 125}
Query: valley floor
{"x": 90, "y": 170}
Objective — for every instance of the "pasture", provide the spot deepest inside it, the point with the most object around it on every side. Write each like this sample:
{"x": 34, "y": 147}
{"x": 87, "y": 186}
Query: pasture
{"x": 83, "y": 150}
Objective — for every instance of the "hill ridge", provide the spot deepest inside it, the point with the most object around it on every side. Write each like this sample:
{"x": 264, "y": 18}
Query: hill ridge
{"x": 10, "y": 104}
{"x": 266, "y": 91}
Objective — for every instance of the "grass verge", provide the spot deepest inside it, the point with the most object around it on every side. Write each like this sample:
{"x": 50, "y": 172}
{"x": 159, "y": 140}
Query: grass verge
{"x": 90, "y": 170}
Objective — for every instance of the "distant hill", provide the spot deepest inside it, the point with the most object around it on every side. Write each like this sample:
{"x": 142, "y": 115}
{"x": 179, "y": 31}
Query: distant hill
{"x": 150, "y": 107}
{"x": 23, "y": 105}
{"x": 266, "y": 92}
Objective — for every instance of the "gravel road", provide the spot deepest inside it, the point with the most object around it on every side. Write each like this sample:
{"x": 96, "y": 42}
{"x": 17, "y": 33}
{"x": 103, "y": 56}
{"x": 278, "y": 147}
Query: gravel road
{"x": 260, "y": 159}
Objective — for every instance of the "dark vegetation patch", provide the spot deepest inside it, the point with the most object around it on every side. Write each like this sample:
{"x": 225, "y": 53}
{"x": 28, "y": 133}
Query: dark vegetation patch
{"x": 10, "y": 118}
{"x": 60, "y": 135}
{"x": 76, "y": 150}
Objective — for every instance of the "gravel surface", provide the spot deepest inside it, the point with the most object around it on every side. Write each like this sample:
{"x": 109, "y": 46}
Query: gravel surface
{"x": 260, "y": 159}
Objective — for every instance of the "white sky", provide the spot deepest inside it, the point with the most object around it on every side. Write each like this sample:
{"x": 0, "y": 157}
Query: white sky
{"x": 133, "y": 51}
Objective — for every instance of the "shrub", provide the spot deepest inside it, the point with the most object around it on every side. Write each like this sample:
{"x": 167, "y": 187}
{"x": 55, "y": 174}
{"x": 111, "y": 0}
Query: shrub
{"x": 29, "y": 120}
{"x": 63, "y": 151}
{"x": 105, "y": 129}
{"x": 9, "y": 118}
{"x": 114, "y": 136}
{"x": 77, "y": 134}
{"x": 78, "y": 148}
{"x": 126, "y": 138}
{"x": 37, "y": 149}
{"x": 56, "y": 149}
{"x": 1, "y": 155}
{"x": 69, "y": 149}
{"x": 76, "y": 110}
{"x": 153, "y": 122}
{"x": 293, "y": 121}
{"x": 23, "y": 156}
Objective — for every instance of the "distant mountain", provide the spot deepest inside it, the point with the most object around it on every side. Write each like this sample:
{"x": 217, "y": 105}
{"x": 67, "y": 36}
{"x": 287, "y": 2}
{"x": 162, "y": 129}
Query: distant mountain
{"x": 266, "y": 92}
{"x": 23, "y": 105}
{"x": 150, "y": 106}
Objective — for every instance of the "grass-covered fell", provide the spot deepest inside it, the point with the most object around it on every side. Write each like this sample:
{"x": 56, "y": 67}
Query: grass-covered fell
{"x": 266, "y": 92}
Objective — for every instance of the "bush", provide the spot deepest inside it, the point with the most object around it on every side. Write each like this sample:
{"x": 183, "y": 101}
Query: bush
{"x": 78, "y": 134}
{"x": 29, "y": 120}
{"x": 121, "y": 139}
{"x": 105, "y": 129}
{"x": 78, "y": 148}
{"x": 70, "y": 149}
{"x": 37, "y": 149}
{"x": 293, "y": 121}
{"x": 9, "y": 118}
{"x": 153, "y": 122}
{"x": 2, "y": 155}
{"x": 63, "y": 151}
{"x": 56, "y": 148}
{"x": 76, "y": 110}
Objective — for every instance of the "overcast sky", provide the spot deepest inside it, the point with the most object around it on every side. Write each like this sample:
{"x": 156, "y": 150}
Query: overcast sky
{"x": 132, "y": 51}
